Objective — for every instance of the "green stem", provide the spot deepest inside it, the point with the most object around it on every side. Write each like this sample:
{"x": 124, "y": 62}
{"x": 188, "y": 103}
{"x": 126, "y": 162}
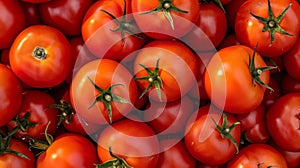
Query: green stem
{"x": 117, "y": 162}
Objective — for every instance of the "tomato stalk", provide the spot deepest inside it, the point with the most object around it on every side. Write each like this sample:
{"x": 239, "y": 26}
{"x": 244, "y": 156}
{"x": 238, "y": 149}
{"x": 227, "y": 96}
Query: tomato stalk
{"x": 271, "y": 23}
{"x": 166, "y": 6}
{"x": 259, "y": 165}
{"x": 39, "y": 53}
{"x": 225, "y": 131}
{"x": 256, "y": 72}
{"x": 117, "y": 162}
{"x": 24, "y": 124}
{"x": 153, "y": 78}
{"x": 124, "y": 26}
{"x": 67, "y": 112}
{"x": 106, "y": 96}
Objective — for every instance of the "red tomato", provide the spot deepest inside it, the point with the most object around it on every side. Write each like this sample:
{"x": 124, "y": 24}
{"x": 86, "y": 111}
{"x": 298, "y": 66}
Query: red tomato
{"x": 283, "y": 122}
{"x": 175, "y": 156}
{"x": 36, "y": 1}
{"x": 65, "y": 15}
{"x": 271, "y": 97}
{"x": 231, "y": 10}
{"x": 10, "y": 95}
{"x": 212, "y": 27}
{"x": 234, "y": 79}
{"x": 254, "y": 126}
{"x": 289, "y": 84}
{"x": 133, "y": 141}
{"x": 292, "y": 158}
{"x": 32, "y": 13}
{"x": 9, "y": 160}
{"x": 258, "y": 155}
{"x": 169, "y": 19}
{"x": 291, "y": 61}
{"x": 34, "y": 115}
{"x": 12, "y": 21}
{"x": 41, "y": 56}
{"x": 264, "y": 22}
{"x": 209, "y": 143}
{"x": 171, "y": 79}
{"x": 119, "y": 91}
{"x": 229, "y": 40}
{"x": 69, "y": 150}
{"x": 108, "y": 32}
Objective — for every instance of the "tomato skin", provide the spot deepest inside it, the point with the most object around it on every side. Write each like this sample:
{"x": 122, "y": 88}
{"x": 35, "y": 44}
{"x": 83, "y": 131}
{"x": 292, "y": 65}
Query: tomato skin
{"x": 13, "y": 161}
{"x": 69, "y": 150}
{"x": 32, "y": 14}
{"x": 205, "y": 144}
{"x": 36, "y": 103}
{"x": 284, "y": 115}
{"x": 160, "y": 27}
{"x": 178, "y": 76}
{"x": 228, "y": 79}
{"x": 231, "y": 10}
{"x": 271, "y": 97}
{"x": 12, "y": 21}
{"x": 291, "y": 61}
{"x": 178, "y": 151}
{"x": 254, "y": 125}
{"x": 36, "y": 1}
{"x": 45, "y": 72}
{"x": 289, "y": 84}
{"x": 211, "y": 26}
{"x": 140, "y": 149}
{"x": 65, "y": 15}
{"x": 229, "y": 40}
{"x": 104, "y": 73}
{"x": 254, "y": 154}
{"x": 249, "y": 30}
{"x": 10, "y": 95}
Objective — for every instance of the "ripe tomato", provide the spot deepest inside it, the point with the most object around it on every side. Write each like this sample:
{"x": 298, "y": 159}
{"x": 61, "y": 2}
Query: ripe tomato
{"x": 10, "y": 95}
{"x": 175, "y": 156}
{"x": 289, "y": 84}
{"x": 268, "y": 23}
{"x": 169, "y": 18}
{"x": 291, "y": 61}
{"x": 12, "y": 21}
{"x": 119, "y": 91}
{"x": 41, "y": 56}
{"x": 34, "y": 115}
{"x": 69, "y": 151}
{"x": 284, "y": 115}
{"x": 235, "y": 79}
{"x": 271, "y": 97}
{"x": 131, "y": 140}
{"x": 36, "y": 1}
{"x": 210, "y": 139}
{"x": 65, "y": 15}
{"x": 258, "y": 155}
{"x": 109, "y": 32}
{"x": 171, "y": 80}
{"x": 9, "y": 160}
{"x": 212, "y": 26}
{"x": 231, "y": 10}
{"x": 32, "y": 14}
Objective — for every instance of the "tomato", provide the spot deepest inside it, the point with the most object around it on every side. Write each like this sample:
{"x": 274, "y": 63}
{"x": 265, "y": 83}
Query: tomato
{"x": 231, "y": 10}
{"x": 258, "y": 155}
{"x": 12, "y": 21}
{"x": 169, "y": 18}
{"x": 41, "y": 56}
{"x": 32, "y": 14}
{"x": 175, "y": 156}
{"x": 131, "y": 140}
{"x": 10, "y": 95}
{"x": 5, "y": 56}
{"x": 291, "y": 61}
{"x": 267, "y": 23}
{"x": 292, "y": 158}
{"x": 253, "y": 125}
{"x": 109, "y": 32}
{"x": 200, "y": 165}
{"x": 171, "y": 80}
{"x": 168, "y": 118}
{"x": 36, "y": 1}
{"x": 69, "y": 150}
{"x": 34, "y": 115}
{"x": 212, "y": 26}
{"x": 284, "y": 115}
{"x": 10, "y": 160}
{"x": 235, "y": 79}
{"x": 229, "y": 40}
{"x": 289, "y": 84}
{"x": 65, "y": 15}
{"x": 210, "y": 139}
{"x": 271, "y": 96}
{"x": 119, "y": 91}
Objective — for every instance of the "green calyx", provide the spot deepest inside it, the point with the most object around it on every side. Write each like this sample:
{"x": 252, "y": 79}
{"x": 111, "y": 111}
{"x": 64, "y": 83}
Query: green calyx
{"x": 166, "y": 6}
{"x": 271, "y": 24}
{"x": 106, "y": 96}
{"x": 225, "y": 131}
{"x": 259, "y": 165}
{"x": 124, "y": 26}
{"x": 24, "y": 124}
{"x": 154, "y": 80}
{"x": 117, "y": 162}
{"x": 67, "y": 112}
{"x": 256, "y": 72}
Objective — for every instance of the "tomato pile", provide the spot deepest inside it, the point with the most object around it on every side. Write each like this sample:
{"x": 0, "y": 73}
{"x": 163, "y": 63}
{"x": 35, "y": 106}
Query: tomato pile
{"x": 163, "y": 83}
